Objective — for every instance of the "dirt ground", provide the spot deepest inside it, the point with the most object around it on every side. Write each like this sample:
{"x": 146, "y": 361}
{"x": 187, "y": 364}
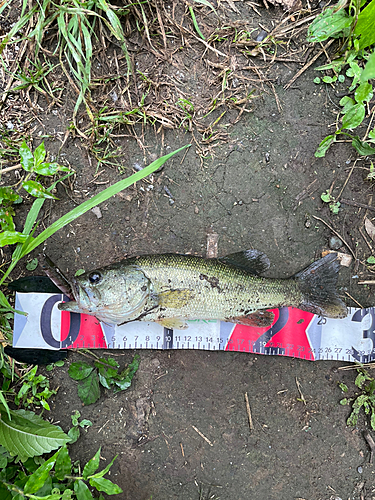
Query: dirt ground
{"x": 260, "y": 188}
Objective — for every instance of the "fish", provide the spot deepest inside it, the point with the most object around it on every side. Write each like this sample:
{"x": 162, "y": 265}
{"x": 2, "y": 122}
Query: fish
{"x": 171, "y": 289}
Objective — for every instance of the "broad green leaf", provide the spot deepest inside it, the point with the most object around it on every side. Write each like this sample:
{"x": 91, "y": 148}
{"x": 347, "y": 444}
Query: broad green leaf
{"x": 11, "y": 237}
{"x": 3, "y": 401}
{"x": 39, "y": 155}
{"x": 27, "y": 159}
{"x": 85, "y": 423}
{"x": 81, "y": 490}
{"x": 105, "y": 485}
{"x": 329, "y": 79}
{"x": 96, "y": 200}
{"x": 362, "y": 147}
{"x": 104, "y": 471}
{"x": 73, "y": 434}
{"x": 92, "y": 465}
{"x": 39, "y": 477}
{"x": 7, "y": 193}
{"x": 372, "y": 420}
{"x": 347, "y": 103}
{"x": 324, "y": 145}
{"x": 354, "y": 72}
{"x": 28, "y": 435}
{"x": 326, "y": 197}
{"x": 50, "y": 169}
{"x": 126, "y": 376}
{"x": 369, "y": 70}
{"x": 365, "y": 26}
{"x": 4, "y": 302}
{"x": 329, "y": 24}
{"x": 63, "y": 466}
{"x": 36, "y": 189}
{"x": 88, "y": 389}
{"x": 80, "y": 370}
{"x": 363, "y": 92}
{"x": 32, "y": 264}
{"x": 353, "y": 117}
{"x": 6, "y": 219}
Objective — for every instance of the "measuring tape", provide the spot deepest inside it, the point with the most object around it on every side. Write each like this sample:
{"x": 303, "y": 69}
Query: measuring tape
{"x": 294, "y": 333}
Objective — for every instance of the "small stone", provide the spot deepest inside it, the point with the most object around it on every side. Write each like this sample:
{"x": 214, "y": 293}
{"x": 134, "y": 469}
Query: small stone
{"x": 97, "y": 212}
{"x": 335, "y": 243}
{"x": 360, "y": 469}
{"x": 308, "y": 223}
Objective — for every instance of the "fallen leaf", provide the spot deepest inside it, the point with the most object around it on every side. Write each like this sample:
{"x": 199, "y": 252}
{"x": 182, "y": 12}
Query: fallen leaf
{"x": 370, "y": 228}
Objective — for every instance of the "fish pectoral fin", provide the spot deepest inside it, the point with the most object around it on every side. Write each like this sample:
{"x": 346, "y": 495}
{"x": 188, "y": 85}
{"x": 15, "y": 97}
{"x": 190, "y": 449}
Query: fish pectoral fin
{"x": 172, "y": 323}
{"x": 252, "y": 261}
{"x": 175, "y": 298}
{"x": 258, "y": 319}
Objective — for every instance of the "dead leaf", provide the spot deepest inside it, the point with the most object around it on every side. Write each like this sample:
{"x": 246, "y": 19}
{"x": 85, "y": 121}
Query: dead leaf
{"x": 370, "y": 228}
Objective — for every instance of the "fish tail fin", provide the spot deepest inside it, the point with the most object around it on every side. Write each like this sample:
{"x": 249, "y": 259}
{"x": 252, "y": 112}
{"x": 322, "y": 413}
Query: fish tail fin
{"x": 318, "y": 286}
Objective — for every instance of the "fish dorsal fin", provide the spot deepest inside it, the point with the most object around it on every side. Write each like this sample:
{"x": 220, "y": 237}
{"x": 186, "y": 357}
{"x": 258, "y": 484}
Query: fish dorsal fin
{"x": 251, "y": 261}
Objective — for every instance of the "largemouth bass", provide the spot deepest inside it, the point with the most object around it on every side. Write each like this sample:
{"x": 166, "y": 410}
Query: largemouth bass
{"x": 171, "y": 289}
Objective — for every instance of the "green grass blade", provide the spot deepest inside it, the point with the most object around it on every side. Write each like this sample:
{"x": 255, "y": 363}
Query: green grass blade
{"x": 96, "y": 200}
{"x": 195, "y": 23}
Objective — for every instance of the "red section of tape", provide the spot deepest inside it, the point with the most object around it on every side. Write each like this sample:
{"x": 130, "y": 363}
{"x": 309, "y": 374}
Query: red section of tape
{"x": 290, "y": 336}
{"x": 90, "y": 334}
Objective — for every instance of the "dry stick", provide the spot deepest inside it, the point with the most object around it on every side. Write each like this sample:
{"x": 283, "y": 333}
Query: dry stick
{"x": 248, "y": 412}
{"x": 291, "y": 27}
{"x": 8, "y": 169}
{"x": 337, "y": 234}
{"x": 357, "y": 204}
{"x": 367, "y": 243}
{"x": 347, "y": 180}
{"x": 202, "y": 435}
{"x": 371, "y": 444}
{"x": 302, "y": 397}
{"x": 353, "y": 299}
{"x": 302, "y": 70}
{"x": 366, "y": 282}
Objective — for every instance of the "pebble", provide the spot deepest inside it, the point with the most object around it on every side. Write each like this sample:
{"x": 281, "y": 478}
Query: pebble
{"x": 360, "y": 469}
{"x": 335, "y": 243}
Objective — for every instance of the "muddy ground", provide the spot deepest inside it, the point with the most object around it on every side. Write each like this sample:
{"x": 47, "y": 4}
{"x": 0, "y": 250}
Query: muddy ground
{"x": 260, "y": 188}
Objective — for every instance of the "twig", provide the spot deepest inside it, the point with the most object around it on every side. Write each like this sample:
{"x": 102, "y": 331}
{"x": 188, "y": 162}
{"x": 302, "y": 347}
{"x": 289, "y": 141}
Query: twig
{"x": 366, "y": 282}
{"x": 300, "y": 392}
{"x": 8, "y": 169}
{"x": 202, "y": 435}
{"x": 251, "y": 426}
{"x": 347, "y": 180}
{"x": 371, "y": 444}
{"x": 302, "y": 70}
{"x": 337, "y": 234}
{"x": 353, "y": 299}
{"x": 357, "y": 204}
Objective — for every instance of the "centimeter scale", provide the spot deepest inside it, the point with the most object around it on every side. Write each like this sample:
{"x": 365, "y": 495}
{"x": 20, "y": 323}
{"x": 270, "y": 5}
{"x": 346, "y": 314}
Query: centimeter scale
{"x": 294, "y": 333}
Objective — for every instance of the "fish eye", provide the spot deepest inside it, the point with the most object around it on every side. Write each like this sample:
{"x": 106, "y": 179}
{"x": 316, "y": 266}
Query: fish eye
{"x": 95, "y": 278}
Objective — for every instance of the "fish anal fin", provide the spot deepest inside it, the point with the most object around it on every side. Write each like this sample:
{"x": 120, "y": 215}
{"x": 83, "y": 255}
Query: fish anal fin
{"x": 258, "y": 319}
{"x": 252, "y": 261}
{"x": 173, "y": 323}
{"x": 175, "y": 298}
